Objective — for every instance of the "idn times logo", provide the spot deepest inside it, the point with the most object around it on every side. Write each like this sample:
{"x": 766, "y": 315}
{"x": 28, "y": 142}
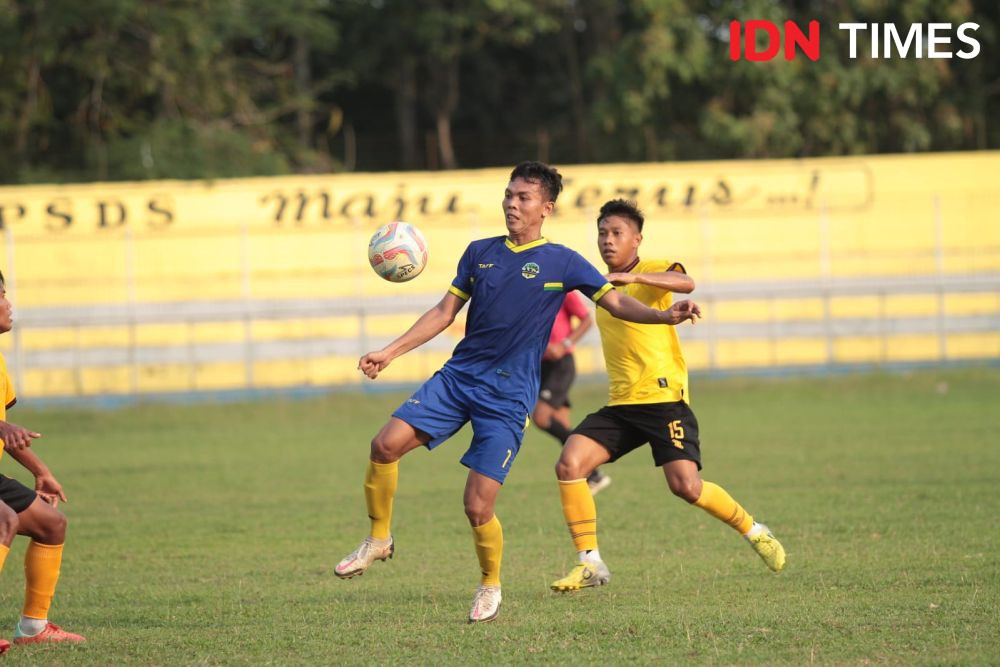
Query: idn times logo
{"x": 763, "y": 40}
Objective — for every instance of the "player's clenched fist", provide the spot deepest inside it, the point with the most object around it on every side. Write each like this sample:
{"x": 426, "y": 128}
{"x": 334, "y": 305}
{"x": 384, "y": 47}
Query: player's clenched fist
{"x": 373, "y": 363}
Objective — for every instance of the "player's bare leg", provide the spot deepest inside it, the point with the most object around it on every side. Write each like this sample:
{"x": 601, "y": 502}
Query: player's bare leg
{"x": 563, "y": 415}
{"x": 556, "y": 422}
{"x": 685, "y": 482}
{"x": 8, "y": 529}
{"x": 392, "y": 442}
{"x": 480, "y": 499}
{"x": 542, "y": 415}
{"x": 46, "y": 526}
{"x": 683, "y": 479}
{"x": 580, "y": 457}
{"x": 548, "y": 419}
{"x": 597, "y": 480}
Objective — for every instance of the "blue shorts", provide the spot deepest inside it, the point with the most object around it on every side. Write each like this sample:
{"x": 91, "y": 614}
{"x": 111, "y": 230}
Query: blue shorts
{"x": 444, "y": 404}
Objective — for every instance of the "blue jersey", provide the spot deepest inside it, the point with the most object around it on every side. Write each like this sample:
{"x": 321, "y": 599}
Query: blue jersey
{"x": 516, "y": 292}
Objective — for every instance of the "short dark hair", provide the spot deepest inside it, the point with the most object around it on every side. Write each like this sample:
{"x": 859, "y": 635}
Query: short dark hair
{"x": 3, "y": 283}
{"x": 539, "y": 172}
{"x": 624, "y": 208}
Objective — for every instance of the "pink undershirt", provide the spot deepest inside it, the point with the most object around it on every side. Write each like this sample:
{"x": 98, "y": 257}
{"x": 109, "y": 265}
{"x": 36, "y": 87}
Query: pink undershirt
{"x": 573, "y": 306}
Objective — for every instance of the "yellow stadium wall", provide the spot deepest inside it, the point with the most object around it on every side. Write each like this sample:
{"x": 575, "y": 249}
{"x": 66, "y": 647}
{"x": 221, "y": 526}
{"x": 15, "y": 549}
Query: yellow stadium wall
{"x": 735, "y": 223}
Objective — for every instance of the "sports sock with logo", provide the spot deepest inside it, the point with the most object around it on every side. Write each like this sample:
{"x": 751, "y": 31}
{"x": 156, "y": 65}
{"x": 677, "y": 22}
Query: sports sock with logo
{"x": 717, "y": 502}
{"x": 41, "y": 574}
{"x": 380, "y": 487}
{"x": 489, "y": 549}
{"x": 580, "y": 512}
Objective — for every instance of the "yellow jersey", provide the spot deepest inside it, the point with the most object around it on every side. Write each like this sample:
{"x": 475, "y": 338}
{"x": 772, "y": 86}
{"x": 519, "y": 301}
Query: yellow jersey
{"x": 644, "y": 361}
{"x": 6, "y": 393}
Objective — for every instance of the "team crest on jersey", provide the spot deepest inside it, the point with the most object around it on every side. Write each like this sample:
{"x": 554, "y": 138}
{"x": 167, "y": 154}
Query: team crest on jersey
{"x": 530, "y": 270}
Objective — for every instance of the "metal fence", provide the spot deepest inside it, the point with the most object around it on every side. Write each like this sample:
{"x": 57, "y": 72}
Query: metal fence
{"x": 783, "y": 325}
{"x": 769, "y": 328}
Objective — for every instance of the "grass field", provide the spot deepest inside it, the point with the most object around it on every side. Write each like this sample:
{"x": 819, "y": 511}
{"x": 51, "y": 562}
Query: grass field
{"x": 206, "y": 534}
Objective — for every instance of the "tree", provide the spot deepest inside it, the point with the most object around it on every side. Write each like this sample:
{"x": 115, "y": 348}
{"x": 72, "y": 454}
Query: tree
{"x": 133, "y": 89}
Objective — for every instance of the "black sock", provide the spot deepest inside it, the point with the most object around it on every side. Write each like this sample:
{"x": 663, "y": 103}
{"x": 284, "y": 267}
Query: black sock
{"x": 558, "y": 431}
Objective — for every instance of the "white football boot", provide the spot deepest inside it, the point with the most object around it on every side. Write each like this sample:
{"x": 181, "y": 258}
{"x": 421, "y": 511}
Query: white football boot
{"x": 486, "y": 604}
{"x": 368, "y": 552}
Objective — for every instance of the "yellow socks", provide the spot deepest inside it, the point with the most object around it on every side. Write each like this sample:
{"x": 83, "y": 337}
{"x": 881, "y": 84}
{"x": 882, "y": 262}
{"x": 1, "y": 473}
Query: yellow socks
{"x": 4, "y": 550}
{"x": 489, "y": 549}
{"x": 718, "y": 503}
{"x": 41, "y": 573}
{"x": 580, "y": 512}
{"x": 380, "y": 487}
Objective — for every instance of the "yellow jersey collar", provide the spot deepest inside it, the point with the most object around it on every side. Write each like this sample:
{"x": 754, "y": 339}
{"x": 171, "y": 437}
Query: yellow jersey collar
{"x": 527, "y": 246}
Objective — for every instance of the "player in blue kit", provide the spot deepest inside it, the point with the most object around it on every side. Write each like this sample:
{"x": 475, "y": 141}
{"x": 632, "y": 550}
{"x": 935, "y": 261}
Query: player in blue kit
{"x": 516, "y": 284}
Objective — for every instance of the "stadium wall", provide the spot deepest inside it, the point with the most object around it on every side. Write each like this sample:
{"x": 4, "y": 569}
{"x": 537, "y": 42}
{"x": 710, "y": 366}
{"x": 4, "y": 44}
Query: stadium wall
{"x": 254, "y": 284}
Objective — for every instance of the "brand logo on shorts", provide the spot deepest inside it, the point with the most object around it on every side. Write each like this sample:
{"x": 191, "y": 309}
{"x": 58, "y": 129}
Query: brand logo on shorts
{"x": 413, "y": 401}
{"x": 530, "y": 270}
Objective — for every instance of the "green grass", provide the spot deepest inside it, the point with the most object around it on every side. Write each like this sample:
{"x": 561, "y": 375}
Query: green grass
{"x": 206, "y": 534}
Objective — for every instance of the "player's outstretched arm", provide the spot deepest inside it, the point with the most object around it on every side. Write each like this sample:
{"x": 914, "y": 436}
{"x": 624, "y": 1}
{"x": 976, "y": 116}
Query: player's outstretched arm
{"x": 430, "y": 324}
{"x": 46, "y": 485}
{"x": 16, "y": 437}
{"x": 625, "y": 307}
{"x": 669, "y": 281}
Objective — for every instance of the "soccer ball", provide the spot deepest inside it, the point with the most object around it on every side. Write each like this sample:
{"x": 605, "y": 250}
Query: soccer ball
{"x": 398, "y": 252}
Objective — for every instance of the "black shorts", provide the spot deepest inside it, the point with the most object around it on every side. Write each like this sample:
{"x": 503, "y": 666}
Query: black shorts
{"x": 16, "y": 495}
{"x": 557, "y": 378}
{"x": 670, "y": 428}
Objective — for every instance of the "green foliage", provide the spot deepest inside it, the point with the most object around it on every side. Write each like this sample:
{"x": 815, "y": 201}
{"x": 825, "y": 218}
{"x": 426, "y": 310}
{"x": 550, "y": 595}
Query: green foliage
{"x": 86, "y": 84}
{"x": 86, "y": 89}
{"x": 206, "y": 534}
{"x": 174, "y": 148}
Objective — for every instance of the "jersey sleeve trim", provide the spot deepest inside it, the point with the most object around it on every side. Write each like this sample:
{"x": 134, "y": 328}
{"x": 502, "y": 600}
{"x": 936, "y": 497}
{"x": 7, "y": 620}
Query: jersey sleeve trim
{"x": 11, "y": 404}
{"x": 601, "y": 292}
{"x": 459, "y": 293}
{"x": 677, "y": 266}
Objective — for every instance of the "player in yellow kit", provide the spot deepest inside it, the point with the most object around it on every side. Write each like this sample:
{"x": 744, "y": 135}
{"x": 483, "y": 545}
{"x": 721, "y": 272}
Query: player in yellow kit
{"x": 33, "y": 513}
{"x": 648, "y": 404}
